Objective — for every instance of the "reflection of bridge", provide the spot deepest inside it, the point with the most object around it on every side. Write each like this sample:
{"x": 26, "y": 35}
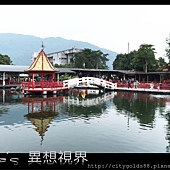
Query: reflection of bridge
{"x": 96, "y": 100}
{"x": 40, "y": 106}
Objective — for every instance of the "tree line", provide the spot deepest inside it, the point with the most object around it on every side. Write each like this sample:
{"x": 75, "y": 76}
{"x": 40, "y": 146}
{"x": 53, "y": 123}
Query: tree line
{"x": 142, "y": 59}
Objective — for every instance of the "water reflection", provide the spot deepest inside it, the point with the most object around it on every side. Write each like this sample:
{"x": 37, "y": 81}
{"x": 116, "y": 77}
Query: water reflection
{"x": 93, "y": 105}
{"x": 41, "y": 112}
{"x": 121, "y": 121}
{"x": 168, "y": 132}
{"x": 140, "y": 106}
{"x": 10, "y": 97}
{"x": 146, "y": 108}
{"x": 7, "y": 98}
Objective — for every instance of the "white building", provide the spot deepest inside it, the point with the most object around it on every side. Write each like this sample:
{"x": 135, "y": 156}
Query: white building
{"x": 61, "y": 57}
{"x": 35, "y": 54}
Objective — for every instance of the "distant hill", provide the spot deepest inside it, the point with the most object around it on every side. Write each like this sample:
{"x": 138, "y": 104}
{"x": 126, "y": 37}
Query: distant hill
{"x": 20, "y": 48}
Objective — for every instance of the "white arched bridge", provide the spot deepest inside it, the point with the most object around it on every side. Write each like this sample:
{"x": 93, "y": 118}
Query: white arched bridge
{"x": 54, "y": 87}
{"x": 89, "y": 82}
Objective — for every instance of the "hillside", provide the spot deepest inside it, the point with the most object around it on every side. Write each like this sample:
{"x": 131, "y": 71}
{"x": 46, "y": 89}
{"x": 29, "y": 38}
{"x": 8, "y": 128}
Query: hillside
{"x": 20, "y": 48}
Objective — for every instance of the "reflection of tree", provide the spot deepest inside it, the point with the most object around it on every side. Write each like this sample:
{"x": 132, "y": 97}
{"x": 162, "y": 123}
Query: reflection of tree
{"x": 167, "y": 116}
{"x": 3, "y": 110}
{"x": 138, "y": 105}
{"x": 87, "y": 112}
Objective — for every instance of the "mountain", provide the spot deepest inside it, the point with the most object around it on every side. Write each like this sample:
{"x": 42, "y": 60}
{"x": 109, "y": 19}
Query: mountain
{"x": 20, "y": 48}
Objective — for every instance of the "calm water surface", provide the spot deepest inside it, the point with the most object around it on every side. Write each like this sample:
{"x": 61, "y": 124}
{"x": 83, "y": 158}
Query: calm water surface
{"x": 117, "y": 122}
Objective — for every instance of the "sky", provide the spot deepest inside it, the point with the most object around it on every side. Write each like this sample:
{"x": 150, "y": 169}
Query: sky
{"x": 119, "y": 28}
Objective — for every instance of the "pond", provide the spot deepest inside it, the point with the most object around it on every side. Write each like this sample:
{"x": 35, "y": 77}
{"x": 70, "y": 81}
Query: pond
{"x": 113, "y": 122}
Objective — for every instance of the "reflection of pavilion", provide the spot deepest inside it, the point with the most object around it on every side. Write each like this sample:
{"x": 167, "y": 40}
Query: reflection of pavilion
{"x": 41, "y": 112}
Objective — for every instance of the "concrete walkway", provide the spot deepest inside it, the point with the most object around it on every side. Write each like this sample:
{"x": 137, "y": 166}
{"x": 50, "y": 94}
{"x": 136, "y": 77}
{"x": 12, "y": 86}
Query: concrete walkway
{"x": 146, "y": 90}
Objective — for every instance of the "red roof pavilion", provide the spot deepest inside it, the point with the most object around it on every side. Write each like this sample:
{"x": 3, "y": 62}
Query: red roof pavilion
{"x": 41, "y": 75}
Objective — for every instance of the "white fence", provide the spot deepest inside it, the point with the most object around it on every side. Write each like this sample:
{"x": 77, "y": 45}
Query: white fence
{"x": 72, "y": 100}
{"x": 88, "y": 81}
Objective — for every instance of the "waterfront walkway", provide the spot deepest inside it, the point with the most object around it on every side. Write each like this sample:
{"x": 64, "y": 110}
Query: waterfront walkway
{"x": 158, "y": 88}
{"x": 92, "y": 83}
{"x": 145, "y": 90}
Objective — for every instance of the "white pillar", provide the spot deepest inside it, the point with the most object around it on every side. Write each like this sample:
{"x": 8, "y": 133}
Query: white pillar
{"x": 3, "y": 79}
{"x": 3, "y": 98}
{"x": 58, "y": 77}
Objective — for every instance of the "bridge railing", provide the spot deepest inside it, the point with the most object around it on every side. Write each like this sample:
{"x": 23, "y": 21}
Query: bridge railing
{"x": 89, "y": 81}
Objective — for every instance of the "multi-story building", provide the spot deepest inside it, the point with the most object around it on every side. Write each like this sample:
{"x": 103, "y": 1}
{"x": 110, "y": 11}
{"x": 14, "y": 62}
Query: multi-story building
{"x": 61, "y": 57}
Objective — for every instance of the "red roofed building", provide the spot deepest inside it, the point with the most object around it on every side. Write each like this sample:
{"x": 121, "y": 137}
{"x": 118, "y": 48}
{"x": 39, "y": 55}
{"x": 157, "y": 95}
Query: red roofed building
{"x": 41, "y": 76}
{"x": 41, "y": 64}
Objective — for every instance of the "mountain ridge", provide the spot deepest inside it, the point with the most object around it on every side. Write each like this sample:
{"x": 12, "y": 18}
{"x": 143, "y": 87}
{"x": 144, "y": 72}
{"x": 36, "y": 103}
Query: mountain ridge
{"x": 20, "y": 47}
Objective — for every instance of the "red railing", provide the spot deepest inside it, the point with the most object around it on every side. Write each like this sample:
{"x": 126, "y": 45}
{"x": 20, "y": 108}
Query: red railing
{"x": 28, "y": 85}
{"x": 163, "y": 86}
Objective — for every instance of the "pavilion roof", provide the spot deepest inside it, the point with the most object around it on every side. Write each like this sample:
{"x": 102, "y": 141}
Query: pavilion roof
{"x": 41, "y": 64}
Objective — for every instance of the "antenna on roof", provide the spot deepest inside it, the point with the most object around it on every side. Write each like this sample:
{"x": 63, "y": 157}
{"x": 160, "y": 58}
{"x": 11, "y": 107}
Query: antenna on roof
{"x": 42, "y": 46}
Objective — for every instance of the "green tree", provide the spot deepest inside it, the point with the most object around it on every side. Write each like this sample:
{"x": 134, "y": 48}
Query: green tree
{"x": 167, "y": 49}
{"x": 123, "y": 61}
{"x": 90, "y": 59}
{"x": 144, "y": 58}
{"x": 141, "y": 60}
{"x": 5, "y": 60}
{"x": 160, "y": 64}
